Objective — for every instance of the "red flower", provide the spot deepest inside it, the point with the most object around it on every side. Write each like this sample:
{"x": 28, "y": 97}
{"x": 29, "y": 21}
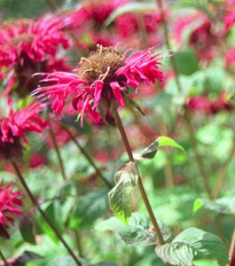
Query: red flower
{"x": 229, "y": 18}
{"x": 26, "y": 46}
{"x": 9, "y": 201}
{"x": 102, "y": 82}
{"x": 14, "y": 127}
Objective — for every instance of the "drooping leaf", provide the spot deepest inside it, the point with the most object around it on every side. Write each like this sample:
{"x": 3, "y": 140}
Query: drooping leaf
{"x": 176, "y": 254}
{"x": 138, "y": 231}
{"x": 26, "y": 230}
{"x": 119, "y": 197}
{"x": 205, "y": 244}
{"x": 88, "y": 208}
{"x": 129, "y": 7}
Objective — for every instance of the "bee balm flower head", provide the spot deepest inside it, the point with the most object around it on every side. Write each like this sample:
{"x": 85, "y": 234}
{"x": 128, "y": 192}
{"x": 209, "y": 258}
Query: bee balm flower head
{"x": 102, "y": 82}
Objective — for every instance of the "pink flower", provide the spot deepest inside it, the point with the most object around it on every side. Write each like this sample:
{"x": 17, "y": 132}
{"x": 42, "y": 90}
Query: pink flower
{"x": 26, "y": 46}
{"x": 102, "y": 82}
{"x": 230, "y": 57}
{"x": 229, "y": 18}
{"x": 14, "y": 127}
{"x": 9, "y": 202}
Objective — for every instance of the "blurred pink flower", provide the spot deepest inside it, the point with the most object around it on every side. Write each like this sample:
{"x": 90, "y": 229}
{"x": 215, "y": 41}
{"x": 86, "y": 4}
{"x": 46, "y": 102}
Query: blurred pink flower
{"x": 14, "y": 127}
{"x": 102, "y": 82}
{"x": 28, "y": 46}
{"x": 230, "y": 57}
{"x": 9, "y": 203}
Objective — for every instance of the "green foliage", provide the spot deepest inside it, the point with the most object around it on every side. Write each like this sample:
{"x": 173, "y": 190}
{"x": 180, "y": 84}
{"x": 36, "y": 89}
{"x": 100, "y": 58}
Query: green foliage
{"x": 119, "y": 197}
{"x": 192, "y": 243}
{"x": 88, "y": 208}
{"x": 225, "y": 205}
{"x": 137, "y": 232}
{"x": 187, "y": 62}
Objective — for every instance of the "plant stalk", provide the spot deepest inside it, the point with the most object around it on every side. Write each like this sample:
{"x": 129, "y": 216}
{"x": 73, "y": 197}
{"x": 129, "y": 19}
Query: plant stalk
{"x": 140, "y": 184}
{"x": 57, "y": 150}
{"x": 22, "y": 181}
{"x": 88, "y": 157}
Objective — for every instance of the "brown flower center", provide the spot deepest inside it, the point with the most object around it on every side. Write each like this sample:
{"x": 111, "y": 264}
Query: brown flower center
{"x": 101, "y": 64}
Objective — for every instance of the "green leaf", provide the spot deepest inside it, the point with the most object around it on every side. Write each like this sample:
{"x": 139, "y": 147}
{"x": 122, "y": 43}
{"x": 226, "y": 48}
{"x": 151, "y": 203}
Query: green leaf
{"x": 190, "y": 57}
{"x": 151, "y": 150}
{"x": 166, "y": 141}
{"x": 138, "y": 231}
{"x": 119, "y": 197}
{"x": 176, "y": 254}
{"x": 225, "y": 205}
{"x": 130, "y": 7}
{"x": 88, "y": 208}
{"x": 205, "y": 244}
{"x": 26, "y": 230}
{"x": 53, "y": 212}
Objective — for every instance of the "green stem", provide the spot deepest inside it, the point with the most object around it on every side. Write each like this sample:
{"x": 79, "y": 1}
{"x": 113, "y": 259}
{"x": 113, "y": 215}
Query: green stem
{"x": 87, "y": 156}
{"x": 4, "y": 259}
{"x": 78, "y": 243}
{"x": 232, "y": 246}
{"x": 21, "y": 178}
{"x": 140, "y": 184}
{"x": 57, "y": 150}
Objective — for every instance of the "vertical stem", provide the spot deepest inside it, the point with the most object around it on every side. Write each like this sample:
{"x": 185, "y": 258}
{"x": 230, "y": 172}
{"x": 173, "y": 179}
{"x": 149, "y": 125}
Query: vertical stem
{"x": 232, "y": 246}
{"x": 78, "y": 243}
{"x": 140, "y": 184}
{"x": 87, "y": 156}
{"x": 21, "y": 178}
{"x": 4, "y": 259}
{"x": 53, "y": 138}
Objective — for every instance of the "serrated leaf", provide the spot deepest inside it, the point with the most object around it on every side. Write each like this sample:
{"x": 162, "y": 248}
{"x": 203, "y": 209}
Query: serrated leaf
{"x": 26, "y": 230}
{"x": 130, "y": 7}
{"x": 119, "y": 197}
{"x": 138, "y": 231}
{"x": 88, "y": 208}
{"x": 206, "y": 245}
{"x": 176, "y": 254}
{"x": 166, "y": 141}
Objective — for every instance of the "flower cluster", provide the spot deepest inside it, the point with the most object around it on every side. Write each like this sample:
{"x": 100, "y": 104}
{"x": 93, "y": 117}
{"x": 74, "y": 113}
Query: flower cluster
{"x": 102, "y": 82}
{"x": 9, "y": 203}
{"x": 14, "y": 127}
